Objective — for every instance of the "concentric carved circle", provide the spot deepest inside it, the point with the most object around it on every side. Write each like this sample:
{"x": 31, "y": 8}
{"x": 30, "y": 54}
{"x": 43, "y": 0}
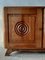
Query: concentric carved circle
{"x": 21, "y": 28}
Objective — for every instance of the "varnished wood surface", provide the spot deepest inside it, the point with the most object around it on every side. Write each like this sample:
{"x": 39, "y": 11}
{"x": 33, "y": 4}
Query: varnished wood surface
{"x": 19, "y": 10}
{"x": 29, "y": 37}
{"x": 32, "y": 17}
{"x": 5, "y": 29}
{"x": 44, "y": 30}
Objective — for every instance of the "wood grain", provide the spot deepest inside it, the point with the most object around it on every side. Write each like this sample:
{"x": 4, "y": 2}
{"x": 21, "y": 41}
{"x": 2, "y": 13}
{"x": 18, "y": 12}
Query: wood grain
{"x": 33, "y": 18}
{"x": 44, "y": 30}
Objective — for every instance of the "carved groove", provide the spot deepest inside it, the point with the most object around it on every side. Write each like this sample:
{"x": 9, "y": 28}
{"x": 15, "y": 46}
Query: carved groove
{"x": 21, "y": 28}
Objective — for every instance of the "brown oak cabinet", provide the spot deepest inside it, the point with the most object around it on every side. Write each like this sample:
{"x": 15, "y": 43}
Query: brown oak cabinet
{"x": 24, "y": 29}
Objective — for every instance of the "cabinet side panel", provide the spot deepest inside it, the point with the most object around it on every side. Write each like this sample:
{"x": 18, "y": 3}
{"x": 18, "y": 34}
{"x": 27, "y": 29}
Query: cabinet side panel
{"x": 44, "y": 31}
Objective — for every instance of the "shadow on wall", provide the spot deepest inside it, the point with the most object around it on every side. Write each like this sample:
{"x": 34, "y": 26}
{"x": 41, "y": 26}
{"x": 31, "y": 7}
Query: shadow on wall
{"x": 1, "y": 28}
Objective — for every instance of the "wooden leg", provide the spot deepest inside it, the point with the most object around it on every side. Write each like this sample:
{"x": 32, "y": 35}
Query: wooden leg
{"x": 8, "y": 52}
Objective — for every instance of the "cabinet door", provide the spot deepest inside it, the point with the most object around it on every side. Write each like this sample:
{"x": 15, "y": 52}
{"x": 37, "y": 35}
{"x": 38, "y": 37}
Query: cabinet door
{"x": 25, "y": 30}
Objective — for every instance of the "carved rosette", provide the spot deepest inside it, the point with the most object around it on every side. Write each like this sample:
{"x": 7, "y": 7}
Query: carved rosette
{"x": 21, "y": 28}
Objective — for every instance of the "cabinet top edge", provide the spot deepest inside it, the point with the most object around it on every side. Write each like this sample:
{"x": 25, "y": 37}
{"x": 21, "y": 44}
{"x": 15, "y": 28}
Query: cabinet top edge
{"x": 25, "y": 7}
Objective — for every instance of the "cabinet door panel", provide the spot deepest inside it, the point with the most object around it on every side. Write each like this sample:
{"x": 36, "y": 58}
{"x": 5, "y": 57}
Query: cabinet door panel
{"x": 25, "y": 30}
{"x": 28, "y": 31}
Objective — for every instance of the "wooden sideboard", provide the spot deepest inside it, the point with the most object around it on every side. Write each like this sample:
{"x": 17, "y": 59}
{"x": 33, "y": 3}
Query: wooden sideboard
{"x": 24, "y": 29}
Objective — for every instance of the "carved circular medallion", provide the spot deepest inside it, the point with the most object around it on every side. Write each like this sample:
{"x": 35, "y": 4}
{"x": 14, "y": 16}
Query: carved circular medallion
{"x": 21, "y": 28}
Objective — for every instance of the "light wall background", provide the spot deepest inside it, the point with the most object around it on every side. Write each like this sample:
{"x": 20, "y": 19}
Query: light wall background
{"x": 4, "y": 3}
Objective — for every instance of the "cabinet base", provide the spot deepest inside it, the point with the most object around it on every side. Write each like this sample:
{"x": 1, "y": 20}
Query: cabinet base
{"x": 9, "y": 51}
